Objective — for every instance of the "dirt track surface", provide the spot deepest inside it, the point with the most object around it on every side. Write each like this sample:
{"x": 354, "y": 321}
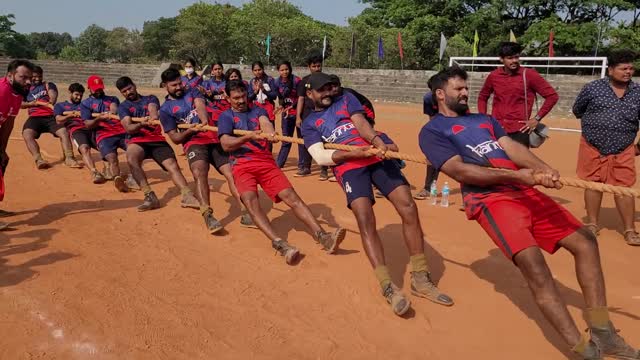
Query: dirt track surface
{"x": 83, "y": 275}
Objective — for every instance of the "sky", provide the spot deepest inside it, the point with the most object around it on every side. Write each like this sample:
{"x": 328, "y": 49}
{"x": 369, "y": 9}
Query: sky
{"x": 73, "y": 16}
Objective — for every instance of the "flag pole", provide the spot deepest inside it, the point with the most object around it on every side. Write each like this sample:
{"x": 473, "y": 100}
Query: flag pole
{"x": 353, "y": 37}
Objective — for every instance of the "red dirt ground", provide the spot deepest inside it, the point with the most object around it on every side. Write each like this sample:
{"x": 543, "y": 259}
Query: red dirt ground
{"x": 83, "y": 275}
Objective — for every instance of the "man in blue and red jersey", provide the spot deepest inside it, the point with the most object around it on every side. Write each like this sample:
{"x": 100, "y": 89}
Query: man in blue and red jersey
{"x": 253, "y": 165}
{"x": 40, "y": 100}
{"x": 202, "y": 147}
{"x": 68, "y": 114}
{"x": 145, "y": 141}
{"x": 13, "y": 87}
{"x": 340, "y": 120}
{"x": 520, "y": 219}
{"x": 99, "y": 113}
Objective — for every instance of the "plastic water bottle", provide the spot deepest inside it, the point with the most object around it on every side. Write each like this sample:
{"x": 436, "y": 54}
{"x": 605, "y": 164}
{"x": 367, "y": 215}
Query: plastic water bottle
{"x": 433, "y": 193}
{"x": 445, "y": 195}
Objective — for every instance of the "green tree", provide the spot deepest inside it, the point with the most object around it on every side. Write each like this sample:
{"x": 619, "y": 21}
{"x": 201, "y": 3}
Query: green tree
{"x": 12, "y": 43}
{"x": 71, "y": 53}
{"x": 49, "y": 44}
{"x": 92, "y": 43}
{"x": 203, "y": 32}
{"x": 294, "y": 35}
{"x": 123, "y": 45}
{"x": 157, "y": 36}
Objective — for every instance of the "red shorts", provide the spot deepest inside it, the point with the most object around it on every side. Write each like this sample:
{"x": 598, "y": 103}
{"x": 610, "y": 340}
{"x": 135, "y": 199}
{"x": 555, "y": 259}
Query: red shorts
{"x": 521, "y": 219}
{"x": 267, "y": 174}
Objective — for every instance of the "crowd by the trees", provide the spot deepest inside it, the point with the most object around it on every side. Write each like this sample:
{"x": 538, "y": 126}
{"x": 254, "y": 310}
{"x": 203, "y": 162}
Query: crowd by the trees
{"x": 230, "y": 34}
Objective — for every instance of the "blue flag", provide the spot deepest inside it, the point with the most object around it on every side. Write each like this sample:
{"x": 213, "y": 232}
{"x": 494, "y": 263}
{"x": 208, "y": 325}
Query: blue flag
{"x": 380, "y": 49}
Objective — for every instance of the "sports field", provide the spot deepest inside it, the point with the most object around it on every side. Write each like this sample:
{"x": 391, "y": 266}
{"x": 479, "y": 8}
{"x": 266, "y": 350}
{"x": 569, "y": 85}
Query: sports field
{"x": 83, "y": 275}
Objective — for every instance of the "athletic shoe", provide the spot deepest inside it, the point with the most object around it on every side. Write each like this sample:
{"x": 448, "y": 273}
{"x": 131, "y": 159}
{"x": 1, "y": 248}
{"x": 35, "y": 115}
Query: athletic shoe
{"x": 132, "y": 184}
{"x": 247, "y": 221}
{"x": 5, "y": 213}
{"x": 422, "y": 195}
{"x": 189, "y": 201}
{"x": 108, "y": 175}
{"x": 324, "y": 174}
{"x": 611, "y": 344}
{"x": 213, "y": 225}
{"x": 422, "y": 286}
{"x": 289, "y": 252}
{"x": 331, "y": 241}
{"x": 590, "y": 352}
{"x": 120, "y": 184}
{"x": 42, "y": 164}
{"x": 150, "y": 202}
{"x": 97, "y": 177}
{"x": 3, "y": 225}
{"x": 333, "y": 179}
{"x": 72, "y": 163}
{"x": 302, "y": 173}
{"x": 399, "y": 303}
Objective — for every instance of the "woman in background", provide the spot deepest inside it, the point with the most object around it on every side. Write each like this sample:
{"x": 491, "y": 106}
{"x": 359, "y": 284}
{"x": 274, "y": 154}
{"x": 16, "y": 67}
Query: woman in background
{"x": 286, "y": 85}
{"x": 262, "y": 90}
{"x": 191, "y": 80}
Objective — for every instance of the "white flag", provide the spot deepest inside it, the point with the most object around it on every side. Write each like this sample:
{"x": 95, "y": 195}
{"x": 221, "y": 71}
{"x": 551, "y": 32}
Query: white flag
{"x": 443, "y": 45}
{"x": 324, "y": 46}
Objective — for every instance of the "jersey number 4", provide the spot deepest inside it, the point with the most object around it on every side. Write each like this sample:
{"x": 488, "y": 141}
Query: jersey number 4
{"x": 347, "y": 187}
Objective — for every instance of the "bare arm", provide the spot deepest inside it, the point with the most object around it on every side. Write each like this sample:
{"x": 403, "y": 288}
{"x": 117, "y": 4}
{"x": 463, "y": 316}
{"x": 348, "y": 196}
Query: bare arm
{"x": 201, "y": 109}
{"x": 231, "y": 143}
{"x": 299, "y": 109}
{"x": 61, "y": 119}
{"x": 93, "y": 123}
{"x": 482, "y": 176}
{"x": 484, "y": 95}
{"x": 367, "y": 133}
{"x": 53, "y": 96}
{"x": 522, "y": 156}
{"x": 182, "y": 136}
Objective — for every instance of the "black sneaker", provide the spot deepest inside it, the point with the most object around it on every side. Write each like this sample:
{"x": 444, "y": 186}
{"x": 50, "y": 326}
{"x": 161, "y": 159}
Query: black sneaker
{"x": 289, "y": 252}
{"x": 150, "y": 202}
{"x": 213, "y": 225}
{"x": 302, "y": 173}
{"x": 324, "y": 174}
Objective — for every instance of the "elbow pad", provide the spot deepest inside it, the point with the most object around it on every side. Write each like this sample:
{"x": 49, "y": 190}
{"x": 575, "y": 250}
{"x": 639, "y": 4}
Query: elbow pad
{"x": 321, "y": 155}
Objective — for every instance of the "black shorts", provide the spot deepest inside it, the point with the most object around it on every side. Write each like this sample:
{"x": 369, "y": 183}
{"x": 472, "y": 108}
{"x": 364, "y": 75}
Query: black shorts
{"x": 357, "y": 183}
{"x": 84, "y": 137}
{"x": 211, "y": 153}
{"x": 111, "y": 144}
{"x": 42, "y": 124}
{"x": 522, "y": 138}
{"x": 158, "y": 151}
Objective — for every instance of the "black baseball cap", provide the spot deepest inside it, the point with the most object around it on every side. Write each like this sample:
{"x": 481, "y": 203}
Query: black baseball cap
{"x": 317, "y": 80}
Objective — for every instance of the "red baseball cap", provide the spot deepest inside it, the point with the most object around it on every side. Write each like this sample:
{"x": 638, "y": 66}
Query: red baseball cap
{"x": 94, "y": 82}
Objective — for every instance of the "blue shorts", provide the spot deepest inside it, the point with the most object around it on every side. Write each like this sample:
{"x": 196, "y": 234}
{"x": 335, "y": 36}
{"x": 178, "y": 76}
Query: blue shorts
{"x": 111, "y": 144}
{"x": 357, "y": 183}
